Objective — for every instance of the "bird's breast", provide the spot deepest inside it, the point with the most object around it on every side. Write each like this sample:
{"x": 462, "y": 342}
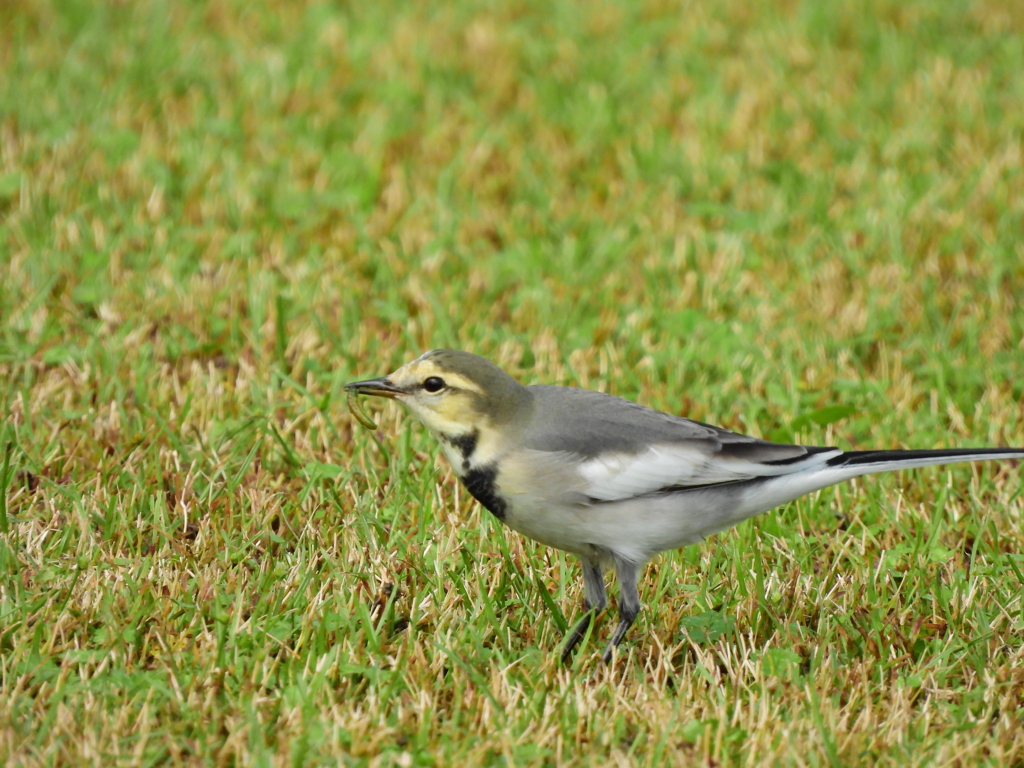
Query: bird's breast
{"x": 537, "y": 493}
{"x": 541, "y": 500}
{"x": 481, "y": 483}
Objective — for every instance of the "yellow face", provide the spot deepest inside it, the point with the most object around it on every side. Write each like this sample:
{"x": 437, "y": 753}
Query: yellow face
{"x": 446, "y": 402}
{"x": 466, "y": 401}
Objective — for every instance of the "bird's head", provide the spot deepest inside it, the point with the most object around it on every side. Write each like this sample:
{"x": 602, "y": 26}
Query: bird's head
{"x": 453, "y": 393}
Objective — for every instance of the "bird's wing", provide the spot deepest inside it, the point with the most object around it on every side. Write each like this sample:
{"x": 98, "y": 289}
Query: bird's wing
{"x": 623, "y": 450}
{"x": 662, "y": 468}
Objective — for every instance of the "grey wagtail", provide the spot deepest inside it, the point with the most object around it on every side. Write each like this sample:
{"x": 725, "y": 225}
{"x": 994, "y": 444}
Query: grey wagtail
{"x": 609, "y": 480}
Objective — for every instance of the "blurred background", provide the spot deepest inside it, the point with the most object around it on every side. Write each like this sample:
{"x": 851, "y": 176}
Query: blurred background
{"x": 345, "y": 185}
{"x": 800, "y": 220}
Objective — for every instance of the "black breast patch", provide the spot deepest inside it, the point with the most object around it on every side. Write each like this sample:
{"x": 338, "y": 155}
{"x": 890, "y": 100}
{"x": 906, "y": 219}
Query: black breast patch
{"x": 465, "y": 444}
{"x": 480, "y": 483}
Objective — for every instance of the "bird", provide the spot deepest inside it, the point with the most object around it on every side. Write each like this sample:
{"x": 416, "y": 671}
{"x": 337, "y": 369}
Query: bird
{"x": 607, "y": 479}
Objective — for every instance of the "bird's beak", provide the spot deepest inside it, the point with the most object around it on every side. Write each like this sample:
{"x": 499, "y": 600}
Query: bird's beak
{"x": 380, "y": 387}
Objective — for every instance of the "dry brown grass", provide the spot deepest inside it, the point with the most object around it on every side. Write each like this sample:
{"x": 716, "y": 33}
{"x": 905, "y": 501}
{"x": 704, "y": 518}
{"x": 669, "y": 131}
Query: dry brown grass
{"x": 211, "y": 216}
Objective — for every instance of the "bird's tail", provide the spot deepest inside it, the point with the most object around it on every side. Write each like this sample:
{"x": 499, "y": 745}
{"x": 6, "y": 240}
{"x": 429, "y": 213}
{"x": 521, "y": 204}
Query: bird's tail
{"x": 856, "y": 463}
{"x": 772, "y": 492}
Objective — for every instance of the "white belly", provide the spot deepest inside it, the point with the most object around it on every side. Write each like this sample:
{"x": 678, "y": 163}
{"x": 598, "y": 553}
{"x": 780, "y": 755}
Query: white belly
{"x": 547, "y": 501}
{"x": 635, "y": 529}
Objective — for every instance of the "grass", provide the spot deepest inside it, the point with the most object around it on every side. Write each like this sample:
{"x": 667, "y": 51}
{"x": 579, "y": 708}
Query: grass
{"x": 797, "y": 220}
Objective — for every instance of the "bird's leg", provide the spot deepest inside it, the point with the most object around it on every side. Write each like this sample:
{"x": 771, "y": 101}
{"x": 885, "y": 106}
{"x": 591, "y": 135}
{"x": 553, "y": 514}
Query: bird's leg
{"x": 629, "y": 602}
{"x": 595, "y": 599}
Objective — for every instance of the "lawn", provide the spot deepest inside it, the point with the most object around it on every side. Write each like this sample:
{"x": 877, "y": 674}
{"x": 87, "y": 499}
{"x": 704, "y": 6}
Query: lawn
{"x": 803, "y": 221}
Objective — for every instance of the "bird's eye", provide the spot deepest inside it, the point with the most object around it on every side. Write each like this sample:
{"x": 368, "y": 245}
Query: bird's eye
{"x": 433, "y": 384}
